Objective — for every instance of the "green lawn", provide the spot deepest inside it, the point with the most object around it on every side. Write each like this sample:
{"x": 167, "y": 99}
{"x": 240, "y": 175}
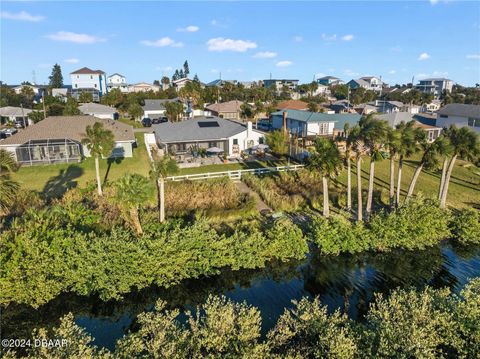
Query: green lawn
{"x": 232, "y": 166}
{"x": 128, "y": 121}
{"x": 464, "y": 189}
{"x": 53, "y": 180}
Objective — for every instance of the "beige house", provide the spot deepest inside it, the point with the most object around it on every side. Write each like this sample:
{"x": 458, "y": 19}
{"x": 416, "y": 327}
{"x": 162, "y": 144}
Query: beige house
{"x": 57, "y": 139}
{"x": 230, "y": 109}
{"x": 143, "y": 87}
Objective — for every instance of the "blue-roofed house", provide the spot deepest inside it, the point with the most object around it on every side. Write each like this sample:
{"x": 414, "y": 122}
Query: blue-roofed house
{"x": 312, "y": 124}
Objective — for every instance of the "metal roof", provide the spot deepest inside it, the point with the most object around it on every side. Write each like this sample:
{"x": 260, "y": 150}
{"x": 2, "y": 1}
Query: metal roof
{"x": 307, "y": 116}
{"x": 460, "y": 109}
{"x": 157, "y": 105}
{"x": 96, "y": 108}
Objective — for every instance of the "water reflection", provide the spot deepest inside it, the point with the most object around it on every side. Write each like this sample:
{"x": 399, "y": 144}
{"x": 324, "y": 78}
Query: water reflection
{"x": 347, "y": 282}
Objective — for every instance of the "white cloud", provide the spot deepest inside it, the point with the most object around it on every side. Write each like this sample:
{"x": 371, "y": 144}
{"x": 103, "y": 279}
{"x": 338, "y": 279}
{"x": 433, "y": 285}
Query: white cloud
{"x": 72, "y": 61}
{"x": 22, "y": 16}
{"x": 349, "y": 72}
{"x": 297, "y": 38}
{"x": 319, "y": 75}
{"x": 473, "y": 57}
{"x": 392, "y": 72}
{"x": 348, "y": 37}
{"x": 222, "y": 44}
{"x": 284, "y": 63}
{"x": 265, "y": 55}
{"x": 439, "y": 73}
{"x": 329, "y": 37}
{"x": 75, "y": 37}
{"x": 423, "y": 56}
{"x": 434, "y": 2}
{"x": 165, "y": 68}
{"x": 163, "y": 42}
{"x": 421, "y": 76}
{"x": 191, "y": 28}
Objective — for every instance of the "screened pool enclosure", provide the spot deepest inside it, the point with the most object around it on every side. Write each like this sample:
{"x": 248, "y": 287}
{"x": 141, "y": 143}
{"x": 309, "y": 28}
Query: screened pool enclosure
{"x": 49, "y": 151}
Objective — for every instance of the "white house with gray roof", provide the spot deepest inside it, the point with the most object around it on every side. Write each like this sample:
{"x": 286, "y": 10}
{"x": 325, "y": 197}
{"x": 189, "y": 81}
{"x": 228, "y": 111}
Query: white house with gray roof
{"x": 98, "y": 110}
{"x": 372, "y": 83}
{"x": 460, "y": 115}
{"x": 435, "y": 86}
{"x": 117, "y": 81}
{"x": 156, "y": 108}
{"x": 207, "y": 132}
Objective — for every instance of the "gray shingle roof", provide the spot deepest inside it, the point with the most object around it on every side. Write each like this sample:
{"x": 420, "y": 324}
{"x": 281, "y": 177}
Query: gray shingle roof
{"x": 14, "y": 111}
{"x": 72, "y": 127}
{"x": 460, "y": 109}
{"x": 307, "y": 116}
{"x": 96, "y": 108}
{"x": 190, "y": 130}
{"x": 156, "y": 105}
{"x": 230, "y": 106}
{"x": 396, "y": 118}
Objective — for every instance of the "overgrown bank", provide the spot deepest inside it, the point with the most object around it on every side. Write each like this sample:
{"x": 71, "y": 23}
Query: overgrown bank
{"x": 408, "y": 324}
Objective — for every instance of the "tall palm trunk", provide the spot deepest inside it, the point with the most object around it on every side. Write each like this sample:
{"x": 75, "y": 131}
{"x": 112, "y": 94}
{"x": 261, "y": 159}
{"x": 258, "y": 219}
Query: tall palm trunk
{"x": 399, "y": 179}
{"x": 359, "y": 190}
{"x": 392, "y": 181}
{"x": 417, "y": 172}
{"x": 136, "y": 220}
{"x": 349, "y": 184}
{"x": 442, "y": 180}
{"x": 326, "y": 206}
{"x": 443, "y": 200}
{"x": 97, "y": 174}
{"x": 161, "y": 183}
{"x": 368, "y": 209}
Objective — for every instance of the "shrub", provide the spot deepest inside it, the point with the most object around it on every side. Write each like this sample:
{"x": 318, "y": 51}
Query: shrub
{"x": 465, "y": 225}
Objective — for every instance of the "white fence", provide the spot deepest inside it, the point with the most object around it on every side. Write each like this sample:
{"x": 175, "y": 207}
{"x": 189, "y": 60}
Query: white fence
{"x": 234, "y": 174}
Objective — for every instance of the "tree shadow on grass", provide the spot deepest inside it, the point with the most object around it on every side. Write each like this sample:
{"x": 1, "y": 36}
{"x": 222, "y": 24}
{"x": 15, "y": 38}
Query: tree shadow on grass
{"x": 65, "y": 180}
{"x": 110, "y": 161}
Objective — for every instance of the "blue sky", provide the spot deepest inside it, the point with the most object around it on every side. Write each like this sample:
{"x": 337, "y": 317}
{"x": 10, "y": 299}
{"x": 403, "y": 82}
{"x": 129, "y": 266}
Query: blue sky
{"x": 243, "y": 40}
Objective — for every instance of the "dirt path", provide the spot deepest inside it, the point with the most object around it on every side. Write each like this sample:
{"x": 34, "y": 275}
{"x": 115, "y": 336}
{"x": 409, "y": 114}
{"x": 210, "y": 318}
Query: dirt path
{"x": 259, "y": 204}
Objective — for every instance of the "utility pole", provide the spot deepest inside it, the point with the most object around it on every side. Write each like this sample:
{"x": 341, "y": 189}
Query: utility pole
{"x": 43, "y": 101}
{"x": 23, "y": 116}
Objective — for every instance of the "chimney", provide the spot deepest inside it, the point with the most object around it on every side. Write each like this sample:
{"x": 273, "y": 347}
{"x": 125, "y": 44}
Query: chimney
{"x": 285, "y": 114}
{"x": 249, "y": 129}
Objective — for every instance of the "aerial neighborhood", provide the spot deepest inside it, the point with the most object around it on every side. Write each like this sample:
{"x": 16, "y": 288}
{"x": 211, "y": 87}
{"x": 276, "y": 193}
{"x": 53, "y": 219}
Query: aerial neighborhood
{"x": 240, "y": 179}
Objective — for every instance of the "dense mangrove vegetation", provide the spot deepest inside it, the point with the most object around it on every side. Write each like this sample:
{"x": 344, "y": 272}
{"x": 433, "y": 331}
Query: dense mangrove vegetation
{"x": 421, "y": 324}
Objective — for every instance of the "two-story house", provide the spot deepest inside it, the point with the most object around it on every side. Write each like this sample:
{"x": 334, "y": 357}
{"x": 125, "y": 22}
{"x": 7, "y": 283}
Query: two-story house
{"x": 278, "y": 84}
{"x": 91, "y": 81}
{"x": 368, "y": 83}
{"x": 330, "y": 81}
{"x": 117, "y": 81}
{"x": 435, "y": 86}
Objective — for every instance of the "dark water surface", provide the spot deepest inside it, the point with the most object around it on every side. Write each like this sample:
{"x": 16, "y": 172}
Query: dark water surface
{"x": 347, "y": 282}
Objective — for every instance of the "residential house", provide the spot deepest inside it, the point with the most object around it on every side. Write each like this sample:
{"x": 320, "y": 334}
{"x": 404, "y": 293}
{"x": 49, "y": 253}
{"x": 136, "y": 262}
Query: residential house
{"x": 16, "y": 115}
{"x": 460, "y": 115}
{"x": 207, "y": 132}
{"x": 57, "y": 139}
{"x": 220, "y": 83}
{"x": 61, "y": 93}
{"x": 330, "y": 81}
{"x": 292, "y": 105}
{"x": 156, "y": 108}
{"x": 143, "y": 87}
{"x": 280, "y": 83}
{"x": 342, "y": 106}
{"x": 38, "y": 91}
{"x": 432, "y": 106}
{"x": 308, "y": 124}
{"x": 368, "y": 82}
{"x": 98, "y": 110}
{"x": 385, "y": 106}
{"x": 395, "y": 118}
{"x": 397, "y": 90}
{"x": 117, "y": 81}
{"x": 90, "y": 81}
{"x": 180, "y": 83}
{"x": 435, "y": 86}
{"x": 230, "y": 109}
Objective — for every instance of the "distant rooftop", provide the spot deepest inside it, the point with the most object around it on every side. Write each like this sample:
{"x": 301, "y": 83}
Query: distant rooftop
{"x": 307, "y": 116}
{"x": 460, "y": 109}
{"x": 87, "y": 71}
{"x": 96, "y": 108}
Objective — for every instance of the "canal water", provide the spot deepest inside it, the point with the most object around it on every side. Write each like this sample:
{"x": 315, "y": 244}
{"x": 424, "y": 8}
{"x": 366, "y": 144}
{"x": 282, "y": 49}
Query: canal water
{"x": 345, "y": 282}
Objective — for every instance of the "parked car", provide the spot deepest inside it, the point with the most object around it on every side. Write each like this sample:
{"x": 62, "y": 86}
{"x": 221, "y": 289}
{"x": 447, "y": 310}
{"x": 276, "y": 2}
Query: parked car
{"x": 7, "y": 132}
{"x": 156, "y": 121}
{"x": 147, "y": 122}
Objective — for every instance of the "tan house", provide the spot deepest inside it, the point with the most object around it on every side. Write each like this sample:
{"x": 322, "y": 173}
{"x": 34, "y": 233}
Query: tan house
{"x": 230, "y": 109}
{"x": 292, "y": 105}
{"x": 143, "y": 87}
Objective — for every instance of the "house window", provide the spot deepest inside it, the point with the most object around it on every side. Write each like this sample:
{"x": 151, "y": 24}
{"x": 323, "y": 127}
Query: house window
{"x": 95, "y": 85}
{"x": 91, "y": 77}
{"x": 76, "y": 85}
{"x": 235, "y": 141}
{"x": 323, "y": 128}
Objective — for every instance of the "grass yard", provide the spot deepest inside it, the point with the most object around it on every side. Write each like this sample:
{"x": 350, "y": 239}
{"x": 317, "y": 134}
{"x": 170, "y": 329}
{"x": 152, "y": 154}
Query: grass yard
{"x": 232, "y": 166}
{"x": 54, "y": 180}
{"x": 128, "y": 121}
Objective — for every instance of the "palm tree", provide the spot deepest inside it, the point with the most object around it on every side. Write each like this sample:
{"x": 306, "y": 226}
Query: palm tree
{"x": 162, "y": 167}
{"x": 350, "y": 138}
{"x": 393, "y": 143}
{"x": 327, "y": 161}
{"x": 407, "y": 146}
{"x": 465, "y": 145}
{"x": 133, "y": 190}
{"x": 99, "y": 142}
{"x": 374, "y": 134}
{"x": 431, "y": 151}
{"x": 8, "y": 187}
